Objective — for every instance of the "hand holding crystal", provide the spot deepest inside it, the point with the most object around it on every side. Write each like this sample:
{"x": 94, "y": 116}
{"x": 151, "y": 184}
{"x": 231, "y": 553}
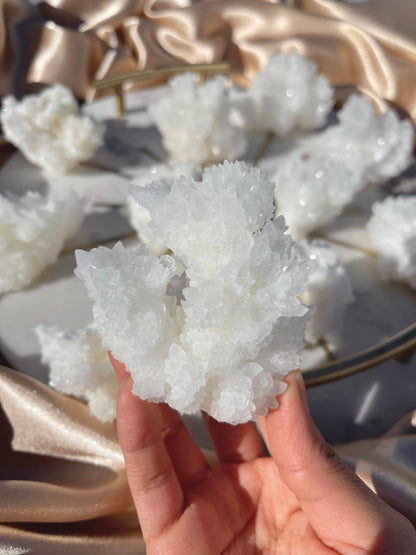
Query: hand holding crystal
{"x": 301, "y": 499}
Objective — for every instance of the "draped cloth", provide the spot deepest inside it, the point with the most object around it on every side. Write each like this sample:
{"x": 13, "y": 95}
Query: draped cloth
{"x": 370, "y": 45}
{"x": 63, "y": 487}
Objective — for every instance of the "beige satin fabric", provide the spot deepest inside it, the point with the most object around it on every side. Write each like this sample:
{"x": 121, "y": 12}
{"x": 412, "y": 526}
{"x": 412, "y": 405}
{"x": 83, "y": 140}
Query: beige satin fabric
{"x": 77, "y": 41}
{"x": 60, "y": 465}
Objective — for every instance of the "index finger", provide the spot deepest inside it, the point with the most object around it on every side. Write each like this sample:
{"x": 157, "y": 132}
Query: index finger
{"x": 154, "y": 485}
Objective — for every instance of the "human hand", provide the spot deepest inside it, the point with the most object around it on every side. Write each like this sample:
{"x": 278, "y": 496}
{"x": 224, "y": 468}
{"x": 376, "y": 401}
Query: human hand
{"x": 301, "y": 500}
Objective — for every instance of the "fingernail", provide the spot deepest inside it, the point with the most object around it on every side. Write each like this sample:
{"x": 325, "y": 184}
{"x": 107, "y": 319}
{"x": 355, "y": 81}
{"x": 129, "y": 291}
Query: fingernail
{"x": 302, "y": 390}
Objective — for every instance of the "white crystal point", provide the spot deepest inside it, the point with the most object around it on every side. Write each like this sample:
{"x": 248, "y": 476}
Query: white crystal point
{"x": 200, "y": 124}
{"x": 139, "y": 216}
{"x": 33, "y": 230}
{"x": 392, "y": 230}
{"x": 48, "y": 129}
{"x": 290, "y": 94}
{"x": 217, "y": 325}
{"x": 329, "y": 290}
{"x": 79, "y": 366}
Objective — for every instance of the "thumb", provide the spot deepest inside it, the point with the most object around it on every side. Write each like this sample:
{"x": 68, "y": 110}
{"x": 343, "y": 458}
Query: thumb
{"x": 339, "y": 506}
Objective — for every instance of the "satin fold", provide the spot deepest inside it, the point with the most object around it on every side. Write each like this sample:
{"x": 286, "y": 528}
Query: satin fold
{"x": 73, "y": 468}
{"x": 370, "y": 45}
{"x": 62, "y": 474}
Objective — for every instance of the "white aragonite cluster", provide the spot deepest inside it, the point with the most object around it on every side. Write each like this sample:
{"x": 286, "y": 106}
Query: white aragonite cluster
{"x": 217, "y": 324}
{"x": 139, "y": 216}
{"x": 310, "y": 192}
{"x": 392, "y": 230}
{"x": 373, "y": 148}
{"x": 33, "y": 230}
{"x": 202, "y": 124}
{"x": 325, "y": 171}
{"x": 289, "y": 95}
{"x": 79, "y": 366}
{"x": 329, "y": 290}
{"x": 48, "y": 129}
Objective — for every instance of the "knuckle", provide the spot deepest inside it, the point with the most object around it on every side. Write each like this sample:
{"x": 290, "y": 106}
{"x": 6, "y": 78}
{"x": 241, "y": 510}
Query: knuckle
{"x": 153, "y": 481}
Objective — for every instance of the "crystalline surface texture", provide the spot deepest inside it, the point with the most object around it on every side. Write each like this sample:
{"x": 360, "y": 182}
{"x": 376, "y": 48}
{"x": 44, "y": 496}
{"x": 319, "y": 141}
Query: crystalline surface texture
{"x": 49, "y": 130}
{"x": 329, "y": 290}
{"x": 33, "y": 230}
{"x": 217, "y": 325}
{"x": 289, "y": 94}
{"x": 139, "y": 216}
{"x": 392, "y": 230}
{"x": 373, "y": 148}
{"x": 79, "y": 366}
{"x": 200, "y": 124}
{"x": 325, "y": 171}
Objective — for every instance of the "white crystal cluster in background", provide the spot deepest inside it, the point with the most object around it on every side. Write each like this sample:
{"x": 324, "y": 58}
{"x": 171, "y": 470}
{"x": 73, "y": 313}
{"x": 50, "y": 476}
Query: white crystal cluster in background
{"x": 201, "y": 123}
{"x": 33, "y": 230}
{"x": 289, "y": 94}
{"x": 372, "y": 148}
{"x": 329, "y": 290}
{"x": 48, "y": 129}
{"x": 324, "y": 172}
{"x": 311, "y": 192}
{"x": 139, "y": 216}
{"x": 210, "y": 122}
{"x": 217, "y": 324}
{"x": 392, "y": 230}
{"x": 79, "y": 366}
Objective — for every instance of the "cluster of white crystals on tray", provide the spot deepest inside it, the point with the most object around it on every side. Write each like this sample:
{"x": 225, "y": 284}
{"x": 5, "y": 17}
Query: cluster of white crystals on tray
{"x": 217, "y": 324}
{"x": 33, "y": 230}
{"x": 289, "y": 94}
{"x": 324, "y": 172}
{"x": 79, "y": 366}
{"x": 201, "y": 123}
{"x": 329, "y": 290}
{"x": 139, "y": 216}
{"x": 48, "y": 129}
{"x": 392, "y": 230}
{"x": 311, "y": 192}
{"x": 372, "y": 148}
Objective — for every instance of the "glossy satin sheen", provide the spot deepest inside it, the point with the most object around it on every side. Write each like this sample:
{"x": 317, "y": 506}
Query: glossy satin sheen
{"x": 370, "y": 45}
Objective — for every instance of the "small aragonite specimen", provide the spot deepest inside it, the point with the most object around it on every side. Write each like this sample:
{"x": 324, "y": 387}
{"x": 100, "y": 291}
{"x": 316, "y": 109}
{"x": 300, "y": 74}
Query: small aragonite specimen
{"x": 49, "y": 130}
{"x": 289, "y": 94}
{"x": 79, "y": 366}
{"x": 139, "y": 216}
{"x": 373, "y": 148}
{"x": 311, "y": 192}
{"x": 392, "y": 230}
{"x": 324, "y": 172}
{"x": 33, "y": 230}
{"x": 329, "y": 290}
{"x": 202, "y": 124}
{"x": 217, "y": 324}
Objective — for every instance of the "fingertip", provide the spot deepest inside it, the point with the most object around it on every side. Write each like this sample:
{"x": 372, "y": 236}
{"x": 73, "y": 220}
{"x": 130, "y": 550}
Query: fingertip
{"x": 293, "y": 396}
{"x": 291, "y": 425}
{"x": 119, "y": 368}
